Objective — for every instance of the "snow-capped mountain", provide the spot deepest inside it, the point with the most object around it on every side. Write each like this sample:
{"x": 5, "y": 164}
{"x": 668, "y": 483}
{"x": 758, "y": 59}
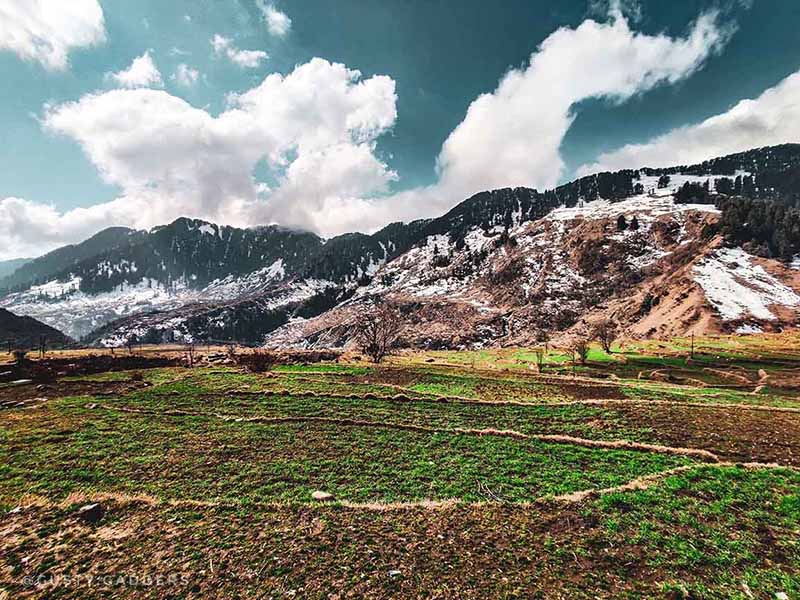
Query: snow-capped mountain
{"x": 119, "y": 273}
{"x": 660, "y": 251}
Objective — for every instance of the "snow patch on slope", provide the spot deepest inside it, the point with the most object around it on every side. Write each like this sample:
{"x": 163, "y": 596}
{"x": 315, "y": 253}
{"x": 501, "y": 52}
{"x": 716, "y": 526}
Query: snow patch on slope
{"x": 736, "y": 287}
{"x": 651, "y": 208}
{"x": 62, "y": 305}
{"x": 235, "y": 287}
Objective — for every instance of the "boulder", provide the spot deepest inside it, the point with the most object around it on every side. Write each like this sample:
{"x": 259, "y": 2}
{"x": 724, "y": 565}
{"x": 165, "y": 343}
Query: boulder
{"x": 91, "y": 513}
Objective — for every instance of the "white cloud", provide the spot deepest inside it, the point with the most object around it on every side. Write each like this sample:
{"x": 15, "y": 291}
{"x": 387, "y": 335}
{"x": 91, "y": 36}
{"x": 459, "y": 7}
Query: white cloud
{"x": 246, "y": 59}
{"x": 278, "y": 23}
{"x": 141, "y": 73}
{"x": 772, "y": 118}
{"x": 512, "y": 136}
{"x": 32, "y": 228}
{"x": 46, "y": 31}
{"x": 185, "y": 75}
{"x": 316, "y": 130}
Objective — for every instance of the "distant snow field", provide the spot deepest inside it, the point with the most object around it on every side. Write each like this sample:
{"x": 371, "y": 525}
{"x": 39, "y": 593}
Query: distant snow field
{"x": 62, "y": 305}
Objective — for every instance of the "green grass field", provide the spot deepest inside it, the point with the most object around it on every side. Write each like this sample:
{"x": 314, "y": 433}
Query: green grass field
{"x": 453, "y": 475}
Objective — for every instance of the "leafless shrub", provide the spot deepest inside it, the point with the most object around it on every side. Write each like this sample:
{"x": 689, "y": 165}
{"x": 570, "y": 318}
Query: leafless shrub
{"x": 580, "y": 349}
{"x": 605, "y": 332}
{"x": 543, "y": 336}
{"x": 377, "y": 331}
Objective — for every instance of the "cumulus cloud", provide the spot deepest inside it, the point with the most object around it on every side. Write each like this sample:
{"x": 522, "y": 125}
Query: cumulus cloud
{"x": 316, "y": 132}
{"x": 772, "y": 118}
{"x": 278, "y": 23}
{"x": 32, "y": 228}
{"x": 185, "y": 75}
{"x": 512, "y": 136}
{"x": 246, "y": 59}
{"x": 46, "y": 31}
{"x": 142, "y": 72}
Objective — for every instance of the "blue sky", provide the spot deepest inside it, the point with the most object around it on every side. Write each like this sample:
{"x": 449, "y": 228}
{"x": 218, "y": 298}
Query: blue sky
{"x": 345, "y": 115}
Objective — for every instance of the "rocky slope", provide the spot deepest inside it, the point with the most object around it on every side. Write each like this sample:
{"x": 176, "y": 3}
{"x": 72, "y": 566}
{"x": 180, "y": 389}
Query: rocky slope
{"x": 652, "y": 267}
{"x": 646, "y": 248}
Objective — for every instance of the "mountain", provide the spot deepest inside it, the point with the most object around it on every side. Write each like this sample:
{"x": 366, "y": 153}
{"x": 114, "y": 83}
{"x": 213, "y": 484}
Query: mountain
{"x": 52, "y": 264}
{"x": 7, "y": 267}
{"x": 191, "y": 267}
{"x": 27, "y": 332}
{"x": 659, "y": 251}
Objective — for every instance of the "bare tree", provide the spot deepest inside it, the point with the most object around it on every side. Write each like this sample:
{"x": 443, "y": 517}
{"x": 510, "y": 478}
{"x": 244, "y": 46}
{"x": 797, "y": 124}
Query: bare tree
{"x": 580, "y": 349}
{"x": 605, "y": 332}
{"x": 377, "y": 330}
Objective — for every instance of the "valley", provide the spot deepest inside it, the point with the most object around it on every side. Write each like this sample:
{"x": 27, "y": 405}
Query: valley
{"x": 588, "y": 392}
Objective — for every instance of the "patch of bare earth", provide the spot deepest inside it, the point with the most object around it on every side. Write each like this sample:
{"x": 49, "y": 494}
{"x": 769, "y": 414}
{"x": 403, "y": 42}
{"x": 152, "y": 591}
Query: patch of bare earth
{"x": 28, "y": 394}
{"x": 731, "y": 433}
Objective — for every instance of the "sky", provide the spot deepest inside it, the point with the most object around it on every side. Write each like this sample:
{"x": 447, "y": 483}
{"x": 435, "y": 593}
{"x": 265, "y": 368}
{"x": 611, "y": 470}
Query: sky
{"x": 348, "y": 115}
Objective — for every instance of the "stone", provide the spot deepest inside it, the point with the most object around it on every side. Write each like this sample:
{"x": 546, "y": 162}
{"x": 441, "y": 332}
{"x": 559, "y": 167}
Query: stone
{"x": 91, "y": 513}
{"x": 321, "y": 496}
{"x": 394, "y": 573}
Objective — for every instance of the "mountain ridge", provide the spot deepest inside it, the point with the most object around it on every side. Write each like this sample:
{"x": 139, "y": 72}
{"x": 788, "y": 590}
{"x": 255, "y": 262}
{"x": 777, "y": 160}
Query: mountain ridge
{"x": 213, "y": 276}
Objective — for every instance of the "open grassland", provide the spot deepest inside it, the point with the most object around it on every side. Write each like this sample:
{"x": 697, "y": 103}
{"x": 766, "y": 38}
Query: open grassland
{"x": 453, "y": 475}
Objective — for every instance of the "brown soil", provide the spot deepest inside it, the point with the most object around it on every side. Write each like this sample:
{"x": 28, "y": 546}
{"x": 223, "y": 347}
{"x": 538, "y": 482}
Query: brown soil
{"x": 48, "y": 369}
{"x": 731, "y": 433}
{"x": 11, "y": 396}
{"x": 455, "y": 551}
